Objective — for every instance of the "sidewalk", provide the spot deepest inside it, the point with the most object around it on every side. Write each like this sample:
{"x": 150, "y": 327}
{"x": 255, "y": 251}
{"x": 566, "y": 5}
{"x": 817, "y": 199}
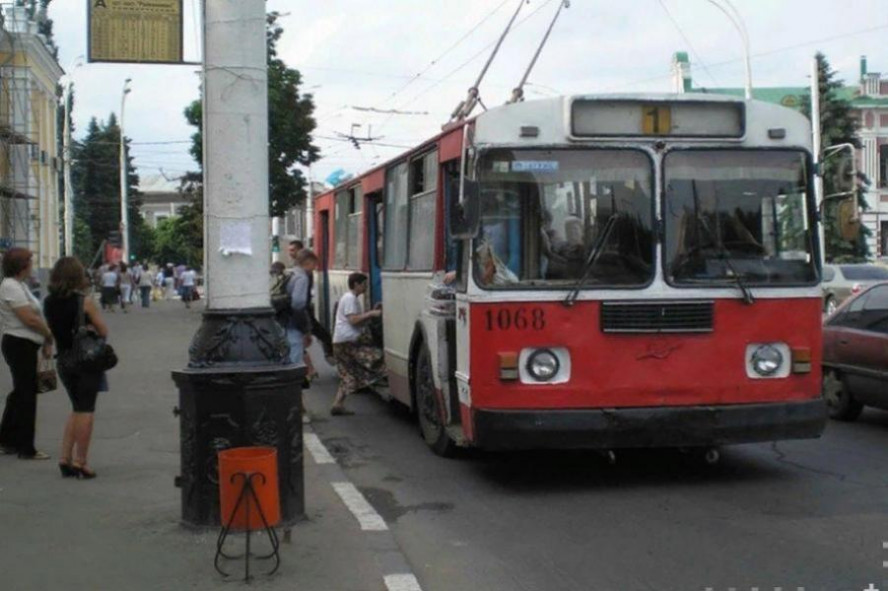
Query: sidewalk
{"x": 121, "y": 531}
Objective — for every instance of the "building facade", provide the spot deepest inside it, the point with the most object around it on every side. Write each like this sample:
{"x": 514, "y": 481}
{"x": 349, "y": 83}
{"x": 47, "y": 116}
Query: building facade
{"x": 869, "y": 101}
{"x": 30, "y": 162}
{"x": 161, "y": 199}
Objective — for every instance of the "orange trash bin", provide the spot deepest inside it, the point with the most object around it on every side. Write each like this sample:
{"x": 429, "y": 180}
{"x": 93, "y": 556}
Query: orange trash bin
{"x": 259, "y": 465}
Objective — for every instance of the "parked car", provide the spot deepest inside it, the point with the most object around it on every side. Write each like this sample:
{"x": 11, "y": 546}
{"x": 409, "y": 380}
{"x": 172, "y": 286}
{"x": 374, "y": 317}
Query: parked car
{"x": 842, "y": 281}
{"x": 855, "y": 354}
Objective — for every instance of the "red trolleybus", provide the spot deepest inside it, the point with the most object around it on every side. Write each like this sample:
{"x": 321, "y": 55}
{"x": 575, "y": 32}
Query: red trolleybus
{"x": 594, "y": 272}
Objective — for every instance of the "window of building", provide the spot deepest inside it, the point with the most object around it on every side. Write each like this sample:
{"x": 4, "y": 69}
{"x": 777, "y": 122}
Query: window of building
{"x": 424, "y": 185}
{"x": 883, "y": 166}
{"x": 396, "y": 217}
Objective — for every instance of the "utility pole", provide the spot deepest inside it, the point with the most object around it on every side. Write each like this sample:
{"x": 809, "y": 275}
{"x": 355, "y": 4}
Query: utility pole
{"x": 818, "y": 155}
{"x": 124, "y": 187}
{"x": 66, "y": 156}
{"x": 240, "y": 388}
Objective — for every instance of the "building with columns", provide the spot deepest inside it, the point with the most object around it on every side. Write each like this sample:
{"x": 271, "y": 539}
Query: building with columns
{"x": 30, "y": 162}
{"x": 869, "y": 100}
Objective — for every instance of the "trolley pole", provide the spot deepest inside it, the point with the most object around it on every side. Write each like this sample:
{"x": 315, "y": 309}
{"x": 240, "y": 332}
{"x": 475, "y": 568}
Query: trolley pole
{"x": 239, "y": 388}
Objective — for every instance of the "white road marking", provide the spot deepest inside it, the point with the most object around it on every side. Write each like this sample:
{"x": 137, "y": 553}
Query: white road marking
{"x": 366, "y": 515}
{"x": 318, "y": 452}
{"x": 402, "y": 583}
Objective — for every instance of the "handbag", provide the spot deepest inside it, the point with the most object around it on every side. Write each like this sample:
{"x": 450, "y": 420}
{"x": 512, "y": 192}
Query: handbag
{"x": 47, "y": 378}
{"x": 90, "y": 352}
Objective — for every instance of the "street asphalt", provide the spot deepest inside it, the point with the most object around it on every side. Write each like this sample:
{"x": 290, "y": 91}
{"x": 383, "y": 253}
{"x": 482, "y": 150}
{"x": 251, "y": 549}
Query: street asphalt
{"x": 803, "y": 514}
{"x": 808, "y": 514}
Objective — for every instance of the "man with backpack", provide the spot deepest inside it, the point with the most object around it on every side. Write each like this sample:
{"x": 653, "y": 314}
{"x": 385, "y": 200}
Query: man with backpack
{"x": 295, "y": 319}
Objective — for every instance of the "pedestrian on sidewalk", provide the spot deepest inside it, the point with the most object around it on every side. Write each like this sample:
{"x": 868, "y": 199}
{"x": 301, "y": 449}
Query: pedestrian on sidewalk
{"x": 169, "y": 282}
{"x": 126, "y": 286}
{"x": 317, "y": 329}
{"x": 24, "y": 333}
{"x": 146, "y": 284}
{"x": 63, "y": 307}
{"x": 360, "y": 362}
{"x": 188, "y": 279}
{"x": 298, "y": 323}
{"x": 110, "y": 288}
{"x": 293, "y": 250}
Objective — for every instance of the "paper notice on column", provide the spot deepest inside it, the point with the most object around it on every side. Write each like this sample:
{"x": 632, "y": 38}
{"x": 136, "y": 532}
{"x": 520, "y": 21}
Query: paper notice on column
{"x": 236, "y": 237}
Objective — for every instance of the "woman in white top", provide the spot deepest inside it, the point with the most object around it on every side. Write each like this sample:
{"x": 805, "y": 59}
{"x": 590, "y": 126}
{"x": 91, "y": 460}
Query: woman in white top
{"x": 359, "y": 361}
{"x": 24, "y": 333}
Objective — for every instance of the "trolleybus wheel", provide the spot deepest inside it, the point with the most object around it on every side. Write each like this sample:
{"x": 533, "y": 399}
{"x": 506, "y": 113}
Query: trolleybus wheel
{"x": 428, "y": 409}
{"x": 841, "y": 404}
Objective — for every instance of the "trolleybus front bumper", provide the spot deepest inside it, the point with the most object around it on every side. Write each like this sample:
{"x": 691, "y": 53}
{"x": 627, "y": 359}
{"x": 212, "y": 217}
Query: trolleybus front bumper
{"x": 614, "y": 428}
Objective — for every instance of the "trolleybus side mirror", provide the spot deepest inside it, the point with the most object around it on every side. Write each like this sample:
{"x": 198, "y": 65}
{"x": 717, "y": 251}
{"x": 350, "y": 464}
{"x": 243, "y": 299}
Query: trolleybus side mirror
{"x": 848, "y": 219}
{"x": 464, "y": 213}
{"x": 843, "y": 181}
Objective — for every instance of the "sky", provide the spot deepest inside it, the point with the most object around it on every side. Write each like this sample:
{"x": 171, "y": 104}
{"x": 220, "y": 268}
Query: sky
{"x": 421, "y": 56}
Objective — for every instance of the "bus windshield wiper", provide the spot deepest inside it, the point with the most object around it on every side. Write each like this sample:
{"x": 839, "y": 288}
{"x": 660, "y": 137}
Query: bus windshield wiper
{"x": 748, "y": 298}
{"x": 597, "y": 249}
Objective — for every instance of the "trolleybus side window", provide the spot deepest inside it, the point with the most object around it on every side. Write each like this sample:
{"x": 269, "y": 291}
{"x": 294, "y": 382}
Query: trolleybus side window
{"x": 355, "y": 230}
{"x": 349, "y": 204}
{"x": 423, "y": 199}
{"x": 396, "y": 218}
{"x": 340, "y": 233}
{"x": 738, "y": 215}
{"x": 555, "y": 217}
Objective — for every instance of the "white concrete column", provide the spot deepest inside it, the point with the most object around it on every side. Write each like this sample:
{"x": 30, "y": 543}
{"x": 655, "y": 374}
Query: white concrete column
{"x": 235, "y": 131}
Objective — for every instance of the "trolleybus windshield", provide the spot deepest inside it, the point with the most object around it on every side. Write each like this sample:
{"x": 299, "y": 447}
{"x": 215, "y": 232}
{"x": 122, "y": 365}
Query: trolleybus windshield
{"x": 552, "y": 217}
{"x": 741, "y": 216}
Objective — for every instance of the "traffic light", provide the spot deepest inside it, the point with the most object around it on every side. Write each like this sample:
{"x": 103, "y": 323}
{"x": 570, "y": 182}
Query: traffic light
{"x": 114, "y": 239}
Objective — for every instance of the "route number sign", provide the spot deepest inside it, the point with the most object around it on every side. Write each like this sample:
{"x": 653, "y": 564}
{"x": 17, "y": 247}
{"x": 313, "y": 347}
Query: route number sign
{"x": 135, "y": 31}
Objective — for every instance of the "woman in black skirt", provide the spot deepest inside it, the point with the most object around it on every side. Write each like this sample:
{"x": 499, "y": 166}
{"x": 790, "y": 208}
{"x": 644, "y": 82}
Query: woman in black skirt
{"x": 67, "y": 292}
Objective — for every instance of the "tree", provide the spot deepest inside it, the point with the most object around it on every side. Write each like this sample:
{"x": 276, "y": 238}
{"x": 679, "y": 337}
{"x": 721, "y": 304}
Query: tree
{"x": 96, "y": 181}
{"x": 838, "y": 126}
{"x": 171, "y": 244}
{"x": 291, "y": 123}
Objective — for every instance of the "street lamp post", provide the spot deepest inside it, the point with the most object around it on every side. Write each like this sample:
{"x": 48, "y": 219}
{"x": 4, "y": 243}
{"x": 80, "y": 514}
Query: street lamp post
{"x": 124, "y": 189}
{"x": 66, "y": 159}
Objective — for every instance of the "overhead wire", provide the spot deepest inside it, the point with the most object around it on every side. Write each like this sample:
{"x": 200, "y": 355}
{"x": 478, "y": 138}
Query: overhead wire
{"x": 687, "y": 40}
{"x": 464, "y": 64}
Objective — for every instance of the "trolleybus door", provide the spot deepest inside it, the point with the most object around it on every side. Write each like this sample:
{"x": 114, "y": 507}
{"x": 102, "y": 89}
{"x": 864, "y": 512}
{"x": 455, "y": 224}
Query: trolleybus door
{"x": 324, "y": 243}
{"x": 374, "y": 232}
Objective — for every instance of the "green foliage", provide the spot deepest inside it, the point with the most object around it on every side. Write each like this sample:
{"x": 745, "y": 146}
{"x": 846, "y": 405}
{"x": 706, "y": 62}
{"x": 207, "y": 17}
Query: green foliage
{"x": 171, "y": 244}
{"x": 95, "y": 175}
{"x": 838, "y": 126}
{"x": 84, "y": 247}
{"x": 291, "y": 123}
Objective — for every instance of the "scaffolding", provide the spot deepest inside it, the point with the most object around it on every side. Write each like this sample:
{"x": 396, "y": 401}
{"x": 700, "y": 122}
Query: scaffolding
{"x": 19, "y": 148}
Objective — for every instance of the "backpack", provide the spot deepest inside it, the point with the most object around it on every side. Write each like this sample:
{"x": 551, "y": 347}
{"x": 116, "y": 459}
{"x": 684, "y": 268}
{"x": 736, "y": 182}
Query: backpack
{"x": 280, "y": 298}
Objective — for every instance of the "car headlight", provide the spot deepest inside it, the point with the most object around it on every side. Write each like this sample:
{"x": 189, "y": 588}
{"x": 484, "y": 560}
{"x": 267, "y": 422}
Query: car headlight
{"x": 543, "y": 365}
{"x": 767, "y": 360}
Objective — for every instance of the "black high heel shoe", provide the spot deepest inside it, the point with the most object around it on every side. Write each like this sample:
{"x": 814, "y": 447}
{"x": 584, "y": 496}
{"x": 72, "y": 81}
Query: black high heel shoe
{"x": 67, "y": 470}
{"x": 84, "y": 473}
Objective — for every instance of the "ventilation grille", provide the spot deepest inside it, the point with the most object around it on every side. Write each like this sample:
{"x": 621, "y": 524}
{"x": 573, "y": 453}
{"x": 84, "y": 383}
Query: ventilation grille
{"x": 645, "y": 317}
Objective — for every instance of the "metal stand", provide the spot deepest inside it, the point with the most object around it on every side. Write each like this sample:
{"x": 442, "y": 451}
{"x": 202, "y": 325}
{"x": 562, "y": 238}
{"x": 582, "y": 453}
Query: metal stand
{"x": 248, "y": 496}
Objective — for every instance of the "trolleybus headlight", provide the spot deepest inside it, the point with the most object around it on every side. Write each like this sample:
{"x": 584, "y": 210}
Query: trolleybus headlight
{"x": 767, "y": 360}
{"x": 543, "y": 365}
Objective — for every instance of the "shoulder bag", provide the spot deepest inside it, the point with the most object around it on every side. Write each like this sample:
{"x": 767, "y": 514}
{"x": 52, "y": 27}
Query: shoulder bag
{"x": 90, "y": 352}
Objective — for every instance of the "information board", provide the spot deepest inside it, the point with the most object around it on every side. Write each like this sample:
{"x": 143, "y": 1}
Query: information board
{"x": 135, "y": 31}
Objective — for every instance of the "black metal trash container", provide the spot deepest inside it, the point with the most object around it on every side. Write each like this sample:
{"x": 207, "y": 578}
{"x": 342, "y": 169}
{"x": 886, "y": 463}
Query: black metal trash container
{"x": 243, "y": 397}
